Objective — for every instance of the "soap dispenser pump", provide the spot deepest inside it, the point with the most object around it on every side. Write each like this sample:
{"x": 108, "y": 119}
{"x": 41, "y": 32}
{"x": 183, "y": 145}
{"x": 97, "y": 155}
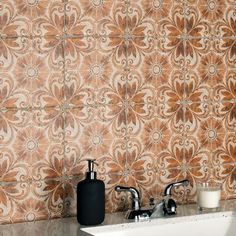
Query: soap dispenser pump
{"x": 90, "y": 198}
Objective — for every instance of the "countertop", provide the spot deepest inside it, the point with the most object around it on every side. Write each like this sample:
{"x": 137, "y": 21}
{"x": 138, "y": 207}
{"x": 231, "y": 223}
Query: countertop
{"x": 70, "y": 227}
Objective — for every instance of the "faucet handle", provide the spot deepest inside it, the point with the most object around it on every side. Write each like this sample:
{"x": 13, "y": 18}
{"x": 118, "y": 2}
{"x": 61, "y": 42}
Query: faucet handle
{"x": 169, "y": 207}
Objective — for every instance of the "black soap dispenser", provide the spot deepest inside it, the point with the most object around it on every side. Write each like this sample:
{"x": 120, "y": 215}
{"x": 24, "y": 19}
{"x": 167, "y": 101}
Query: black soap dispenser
{"x": 90, "y": 198}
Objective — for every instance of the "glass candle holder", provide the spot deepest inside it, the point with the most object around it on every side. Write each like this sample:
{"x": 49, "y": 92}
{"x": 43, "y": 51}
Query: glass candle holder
{"x": 208, "y": 196}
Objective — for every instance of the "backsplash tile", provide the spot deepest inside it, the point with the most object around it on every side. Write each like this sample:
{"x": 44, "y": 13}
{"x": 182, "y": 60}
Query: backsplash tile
{"x": 146, "y": 88}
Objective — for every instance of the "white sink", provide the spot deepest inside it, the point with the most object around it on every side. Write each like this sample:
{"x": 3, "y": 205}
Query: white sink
{"x": 218, "y": 224}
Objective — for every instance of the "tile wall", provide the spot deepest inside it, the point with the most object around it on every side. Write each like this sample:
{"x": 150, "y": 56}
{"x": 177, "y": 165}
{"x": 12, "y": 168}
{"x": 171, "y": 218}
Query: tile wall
{"x": 146, "y": 87}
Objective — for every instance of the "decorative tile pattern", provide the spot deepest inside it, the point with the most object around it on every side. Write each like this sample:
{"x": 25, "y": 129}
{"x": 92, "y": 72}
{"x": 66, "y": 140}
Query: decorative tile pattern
{"x": 147, "y": 88}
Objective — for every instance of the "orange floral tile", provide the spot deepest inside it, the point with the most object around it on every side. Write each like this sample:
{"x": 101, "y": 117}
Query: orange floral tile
{"x": 196, "y": 24}
{"x": 224, "y": 106}
{"x": 226, "y": 111}
{"x": 51, "y": 93}
{"x": 155, "y": 10}
{"x": 32, "y": 18}
{"x": 49, "y": 17}
{"x": 31, "y": 78}
{"x": 11, "y": 48}
{"x": 196, "y": 48}
{"x": 70, "y": 198}
{"x": 90, "y": 18}
{"x": 52, "y": 48}
{"x": 11, "y": 121}
{"x": 77, "y": 22}
{"x": 31, "y": 150}
{"x": 52, "y": 120}
{"x": 77, "y": 92}
{"x": 96, "y": 68}
{"x": 139, "y": 24}
{"x": 11, "y": 195}
{"x": 210, "y": 12}
{"x": 154, "y": 137}
{"x": 211, "y": 69}
{"x": 49, "y": 194}
{"x": 75, "y": 48}
{"x": 89, "y": 139}
{"x": 116, "y": 48}
{"x": 12, "y": 23}
{"x": 30, "y": 210}
{"x": 137, "y": 91}
{"x": 96, "y": 80}
{"x": 224, "y": 168}
{"x": 137, "y": 48}
{"x": 138, "y": 114}
{"x": 211, "y": 133}
{"x": 75, "y": 163}
{"x": 224, "y": 154}
{"x": 52, "y": 165}
{"x": 225, "y": 46}
{"x": 12, "y": 169}
{"x": 156, "y": 69}
{"x": 11, "y": 95}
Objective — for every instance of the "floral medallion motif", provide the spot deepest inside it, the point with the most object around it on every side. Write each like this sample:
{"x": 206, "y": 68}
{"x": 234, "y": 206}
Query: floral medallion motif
{"x": 96, "y": 139}
{"x": 31, "y": 72}
{"x": 211, "y": 69}
{"x": 211, "y": 134}
{"x": 96, "y": 69}
{"x": 31, "y": 210}
{"x": 30, "y": 144}
{"x": 156, "y": 69}
{"x": 156, "y": 9}
{"x": 31, "y": 8}
{"x": 212, "y": 10}
{"x": 155, "y": 136}
{"x": 96, "y": 8}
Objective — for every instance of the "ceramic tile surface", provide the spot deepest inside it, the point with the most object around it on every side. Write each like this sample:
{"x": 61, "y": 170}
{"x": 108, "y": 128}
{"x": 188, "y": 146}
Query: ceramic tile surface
{"x": 147, "y": 88}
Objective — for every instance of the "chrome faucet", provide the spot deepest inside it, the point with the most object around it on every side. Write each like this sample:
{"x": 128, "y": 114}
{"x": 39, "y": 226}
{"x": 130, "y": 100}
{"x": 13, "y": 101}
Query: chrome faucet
{"x": 135, "y": 196}
{"x": 168, "y": 206}
{"x": 136, "y": 213}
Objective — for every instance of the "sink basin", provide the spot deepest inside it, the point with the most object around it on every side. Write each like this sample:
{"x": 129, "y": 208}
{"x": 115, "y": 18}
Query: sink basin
{"x": 219, "y": 224}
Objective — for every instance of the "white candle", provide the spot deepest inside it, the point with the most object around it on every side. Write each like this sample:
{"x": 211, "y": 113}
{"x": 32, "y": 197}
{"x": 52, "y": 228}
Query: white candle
{"x": 208, "y": 198}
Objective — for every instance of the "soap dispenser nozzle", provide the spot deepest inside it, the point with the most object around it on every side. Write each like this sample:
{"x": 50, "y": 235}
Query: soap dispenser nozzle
{"x": 91, "y": 174}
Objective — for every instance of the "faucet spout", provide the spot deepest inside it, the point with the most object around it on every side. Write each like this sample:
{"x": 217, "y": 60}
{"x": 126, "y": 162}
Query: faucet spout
{"x": 167, "y": 191}
{"x": 157, "y": 210}
{"x": 170, "y": 206}
{"x": 135, "y": 195}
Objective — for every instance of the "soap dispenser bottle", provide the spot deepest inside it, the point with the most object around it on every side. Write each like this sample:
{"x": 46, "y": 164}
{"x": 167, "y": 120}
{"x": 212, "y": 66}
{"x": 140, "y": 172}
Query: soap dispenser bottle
{"x": 90, "y": 198}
